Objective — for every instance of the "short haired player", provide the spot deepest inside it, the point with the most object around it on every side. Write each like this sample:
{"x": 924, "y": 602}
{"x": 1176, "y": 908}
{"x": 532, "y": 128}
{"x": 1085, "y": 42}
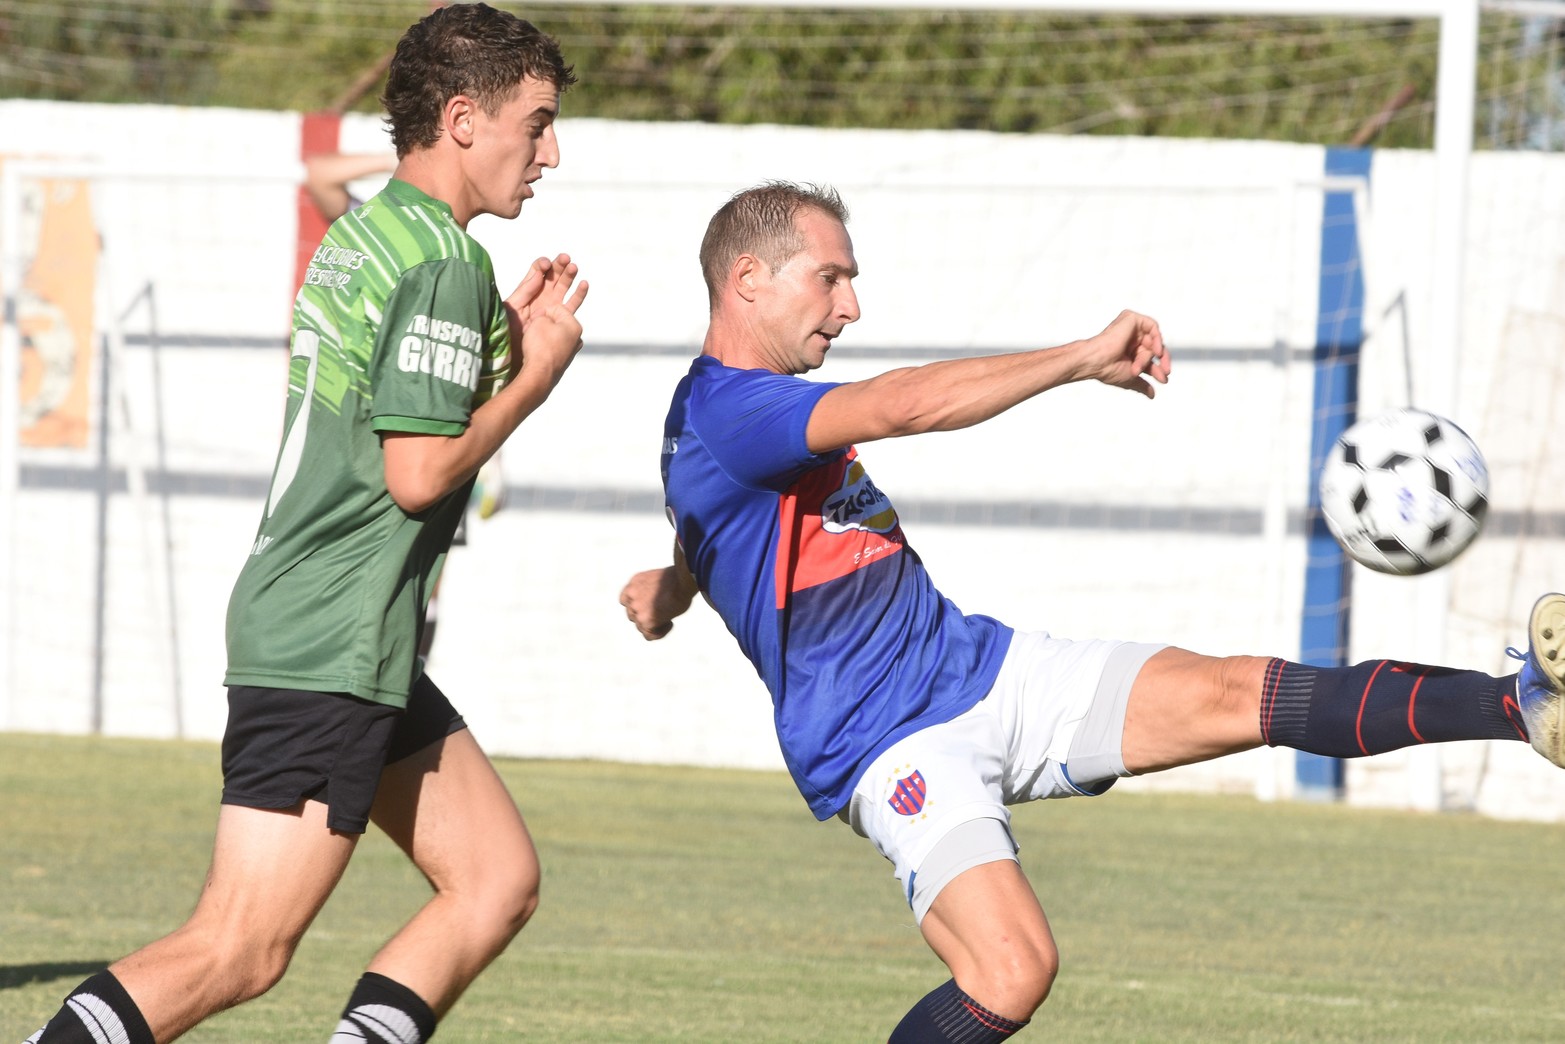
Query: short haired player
{"x": 408, "y": 370}
{"x": 919, "y": 724}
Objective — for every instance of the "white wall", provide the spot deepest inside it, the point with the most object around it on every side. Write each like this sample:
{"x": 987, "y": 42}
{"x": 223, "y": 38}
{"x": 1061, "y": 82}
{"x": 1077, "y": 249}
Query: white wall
{"x": 1089, "y": 512}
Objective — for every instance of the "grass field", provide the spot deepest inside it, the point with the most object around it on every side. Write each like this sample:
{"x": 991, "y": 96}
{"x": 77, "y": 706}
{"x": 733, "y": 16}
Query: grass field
{"x": 701, "y": 905}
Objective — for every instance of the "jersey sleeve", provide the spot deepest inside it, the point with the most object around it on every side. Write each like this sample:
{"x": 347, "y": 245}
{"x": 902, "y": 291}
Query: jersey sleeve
{"x": 754, "y": 426}
{"x": 434, "y": 349}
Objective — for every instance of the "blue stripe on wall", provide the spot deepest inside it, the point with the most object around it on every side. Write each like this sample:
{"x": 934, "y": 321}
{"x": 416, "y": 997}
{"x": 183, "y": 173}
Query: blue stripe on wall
{"x": 1339, "y": 336}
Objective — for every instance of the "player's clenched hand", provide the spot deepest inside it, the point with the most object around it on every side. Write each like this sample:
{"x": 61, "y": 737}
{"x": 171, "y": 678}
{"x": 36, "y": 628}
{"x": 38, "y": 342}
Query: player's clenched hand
{"x": 654, "y": 597}
{"x": 1128, "y": 352}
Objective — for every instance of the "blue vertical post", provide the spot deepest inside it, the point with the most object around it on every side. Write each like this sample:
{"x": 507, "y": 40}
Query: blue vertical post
{"x": 1339, "y": 336}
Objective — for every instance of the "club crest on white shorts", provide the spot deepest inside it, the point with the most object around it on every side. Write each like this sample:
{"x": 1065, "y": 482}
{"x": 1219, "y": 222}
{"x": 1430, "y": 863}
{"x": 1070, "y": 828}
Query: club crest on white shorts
{"x": 907, "y": 798}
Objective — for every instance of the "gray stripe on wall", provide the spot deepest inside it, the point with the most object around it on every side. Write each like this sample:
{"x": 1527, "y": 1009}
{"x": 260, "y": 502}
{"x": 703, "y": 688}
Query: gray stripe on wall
{"x": 1000, "y": 514}
{"x": 1276, "y": 355}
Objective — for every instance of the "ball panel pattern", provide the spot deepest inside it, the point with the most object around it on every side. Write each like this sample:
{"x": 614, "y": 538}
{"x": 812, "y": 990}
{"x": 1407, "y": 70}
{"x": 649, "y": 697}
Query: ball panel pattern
{"x": 1404, "y": 492}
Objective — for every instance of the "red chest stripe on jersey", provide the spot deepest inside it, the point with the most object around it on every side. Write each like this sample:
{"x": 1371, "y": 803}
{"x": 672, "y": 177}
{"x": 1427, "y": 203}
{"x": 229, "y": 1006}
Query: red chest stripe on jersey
{"x": 833, "y": 521}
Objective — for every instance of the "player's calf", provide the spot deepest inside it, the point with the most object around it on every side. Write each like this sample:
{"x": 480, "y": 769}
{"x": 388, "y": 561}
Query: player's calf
{"x": 1382, "y": 705}
{"x": 98, "y": 1010}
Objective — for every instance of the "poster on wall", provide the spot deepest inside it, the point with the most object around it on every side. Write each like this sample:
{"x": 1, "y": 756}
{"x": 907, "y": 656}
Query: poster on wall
{"x": 54, "y": 311}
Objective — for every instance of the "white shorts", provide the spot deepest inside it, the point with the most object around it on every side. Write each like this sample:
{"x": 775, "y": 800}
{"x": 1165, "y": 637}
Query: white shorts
{"x": 1050, "y": 727}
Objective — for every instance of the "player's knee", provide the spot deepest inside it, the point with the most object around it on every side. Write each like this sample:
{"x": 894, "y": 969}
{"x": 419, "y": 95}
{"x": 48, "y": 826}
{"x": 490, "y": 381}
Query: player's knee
{"x": 1238, "y": 686}
{"x": 245, "y": 968}
{"x": 507, "y": 894}
{"x": 265, "y": 971}
{"x": 1016, "y": 982}
{"x": 518, "y": 897}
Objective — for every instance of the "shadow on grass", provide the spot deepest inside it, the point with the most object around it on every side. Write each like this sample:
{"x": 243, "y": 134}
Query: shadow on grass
{"x": 14, "y": 975}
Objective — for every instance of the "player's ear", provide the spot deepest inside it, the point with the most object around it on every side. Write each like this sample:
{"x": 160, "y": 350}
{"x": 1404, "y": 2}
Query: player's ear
{"x": 459, "y": 114}
{"x": 747, "y": 274}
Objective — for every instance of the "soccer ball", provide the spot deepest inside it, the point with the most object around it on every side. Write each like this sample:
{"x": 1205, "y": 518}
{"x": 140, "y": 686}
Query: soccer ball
{"x": 1404, "y": 492}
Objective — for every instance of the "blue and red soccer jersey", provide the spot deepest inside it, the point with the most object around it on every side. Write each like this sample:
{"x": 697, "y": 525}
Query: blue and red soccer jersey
{"x": 804, "y": 559}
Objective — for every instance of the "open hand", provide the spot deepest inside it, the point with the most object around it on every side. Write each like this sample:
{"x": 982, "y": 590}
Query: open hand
{"x": 545, "y": 333}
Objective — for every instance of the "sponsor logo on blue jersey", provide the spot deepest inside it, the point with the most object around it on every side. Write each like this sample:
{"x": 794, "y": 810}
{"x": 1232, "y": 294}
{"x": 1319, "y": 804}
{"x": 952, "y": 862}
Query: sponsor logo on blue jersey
{"x": 859, "y": 504}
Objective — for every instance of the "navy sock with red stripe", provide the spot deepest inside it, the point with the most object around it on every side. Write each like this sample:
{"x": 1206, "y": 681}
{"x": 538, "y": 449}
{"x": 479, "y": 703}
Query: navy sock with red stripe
{"x": 946, "y": 1015}
{"x": 1381, "y": 705}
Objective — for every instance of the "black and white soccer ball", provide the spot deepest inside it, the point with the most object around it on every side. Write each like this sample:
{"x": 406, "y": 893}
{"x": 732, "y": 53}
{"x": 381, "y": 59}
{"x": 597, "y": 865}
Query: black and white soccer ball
{"x": 1404, "y": 491}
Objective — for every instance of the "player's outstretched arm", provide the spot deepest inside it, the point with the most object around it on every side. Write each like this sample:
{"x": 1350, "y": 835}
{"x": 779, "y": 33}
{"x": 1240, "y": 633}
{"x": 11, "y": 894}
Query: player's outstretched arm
{"x": 958, "y": 393}
{"x": 545, "y": 337}
{"x": 653, "y": 598}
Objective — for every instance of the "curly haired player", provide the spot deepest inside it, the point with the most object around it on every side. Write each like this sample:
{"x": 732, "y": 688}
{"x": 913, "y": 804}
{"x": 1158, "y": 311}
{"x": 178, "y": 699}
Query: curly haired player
{"x": 408, "y": 371}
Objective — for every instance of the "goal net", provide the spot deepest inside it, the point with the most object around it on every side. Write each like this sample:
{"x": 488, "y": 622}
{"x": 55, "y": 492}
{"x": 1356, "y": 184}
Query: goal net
{"x": 131, "y": 324}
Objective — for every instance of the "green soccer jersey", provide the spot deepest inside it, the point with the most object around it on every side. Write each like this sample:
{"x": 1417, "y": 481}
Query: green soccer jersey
{"x": 398, "y": 328}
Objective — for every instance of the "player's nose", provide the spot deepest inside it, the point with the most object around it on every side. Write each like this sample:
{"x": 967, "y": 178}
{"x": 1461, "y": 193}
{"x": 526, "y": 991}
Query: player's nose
{"x": 848, "y": 304}
{"x": 548, "y": 154}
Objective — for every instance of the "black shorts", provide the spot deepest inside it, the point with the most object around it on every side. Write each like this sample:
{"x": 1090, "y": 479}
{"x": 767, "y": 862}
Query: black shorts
{"x": 284, "y": 746}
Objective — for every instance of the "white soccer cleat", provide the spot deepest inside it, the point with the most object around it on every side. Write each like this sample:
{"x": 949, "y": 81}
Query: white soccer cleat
{"x": 1540, "y": 684}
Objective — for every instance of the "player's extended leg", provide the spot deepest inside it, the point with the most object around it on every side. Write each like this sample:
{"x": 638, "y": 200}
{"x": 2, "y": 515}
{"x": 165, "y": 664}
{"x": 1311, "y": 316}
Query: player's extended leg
{"x": 1184, "y": 708}
{"x": 449, "y": 811}
{"x": 271, "y": 873}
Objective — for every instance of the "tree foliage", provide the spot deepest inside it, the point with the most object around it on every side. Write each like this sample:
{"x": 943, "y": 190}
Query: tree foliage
{"x": 1317, "y": 80}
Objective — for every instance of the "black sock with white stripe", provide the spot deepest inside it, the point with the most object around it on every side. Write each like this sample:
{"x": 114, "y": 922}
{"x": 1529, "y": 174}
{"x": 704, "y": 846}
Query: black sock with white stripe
{"x": 99, "y": 1011}
{"x": 947, "y": 1015}
{"x": 383, "y": 1011}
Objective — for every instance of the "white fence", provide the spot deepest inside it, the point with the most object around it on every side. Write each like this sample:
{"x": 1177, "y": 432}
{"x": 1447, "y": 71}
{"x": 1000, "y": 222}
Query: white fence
{"x": 1087, "y": 512}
